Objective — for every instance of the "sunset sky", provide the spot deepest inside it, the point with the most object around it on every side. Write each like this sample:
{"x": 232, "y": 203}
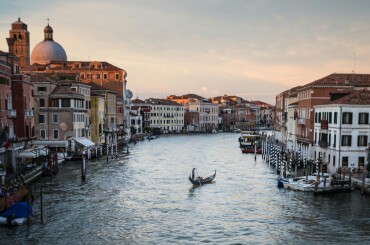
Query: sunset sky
{"x": 253, "y": 49}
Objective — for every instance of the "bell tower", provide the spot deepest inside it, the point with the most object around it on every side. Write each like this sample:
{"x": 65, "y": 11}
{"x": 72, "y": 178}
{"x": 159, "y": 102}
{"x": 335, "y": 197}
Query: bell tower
{"x": 19, "y": 43}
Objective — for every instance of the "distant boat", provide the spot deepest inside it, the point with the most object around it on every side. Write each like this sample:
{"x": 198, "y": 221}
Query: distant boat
{"x": 197, "y": 180}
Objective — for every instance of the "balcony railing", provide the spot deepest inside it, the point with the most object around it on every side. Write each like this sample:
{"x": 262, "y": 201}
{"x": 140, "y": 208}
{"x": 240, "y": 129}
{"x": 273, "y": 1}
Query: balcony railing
{"x": 28, "y": 113}
{"x": 12, "y": 113}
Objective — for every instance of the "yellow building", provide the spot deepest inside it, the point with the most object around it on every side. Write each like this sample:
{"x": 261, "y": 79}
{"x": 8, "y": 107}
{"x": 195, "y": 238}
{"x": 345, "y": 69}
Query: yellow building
{"x": 110, "y": 116}
{"x": 97, "y": 118}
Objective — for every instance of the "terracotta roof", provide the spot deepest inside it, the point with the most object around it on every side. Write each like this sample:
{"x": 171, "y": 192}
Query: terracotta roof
{"x": 38, "y": 77}
{"x": 85, "y": 65}
{"x": 186, "y": 96}
{"x": 342, "y": 79}
{"x": 96, "y": 87}
{"x": 161, "y": 102}
{"x": 357, "y": 97}
{"x": 137, "y": 101}
{"x": 64, "y": 89}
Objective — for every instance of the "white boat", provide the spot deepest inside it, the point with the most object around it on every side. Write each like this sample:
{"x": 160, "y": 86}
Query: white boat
{"x": 304, "y": 183}
{"x": 248, "y": 139}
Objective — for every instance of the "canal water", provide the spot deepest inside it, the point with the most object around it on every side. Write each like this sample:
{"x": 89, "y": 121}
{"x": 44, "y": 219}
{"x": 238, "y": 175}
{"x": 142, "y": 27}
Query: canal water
{"x": 145, "y": 197}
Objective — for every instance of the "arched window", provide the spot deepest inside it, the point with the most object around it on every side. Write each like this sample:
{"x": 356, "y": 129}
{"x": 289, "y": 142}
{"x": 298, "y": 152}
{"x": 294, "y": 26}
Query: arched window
{"x": 20, "y": 37}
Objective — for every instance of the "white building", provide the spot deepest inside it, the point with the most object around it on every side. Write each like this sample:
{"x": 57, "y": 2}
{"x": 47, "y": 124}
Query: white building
{"x": 208, "y": 114}
{"x": 342, "y": 131}
{"x": 166, "y": 115}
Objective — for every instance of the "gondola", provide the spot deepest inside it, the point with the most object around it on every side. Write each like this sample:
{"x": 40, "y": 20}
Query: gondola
{"x": 199, "y": 180}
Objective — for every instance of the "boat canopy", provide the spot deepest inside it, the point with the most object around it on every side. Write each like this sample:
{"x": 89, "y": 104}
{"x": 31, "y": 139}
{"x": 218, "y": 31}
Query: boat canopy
{"x": 19, "y": 210}
{"x": 33, "y": 153}
{"x": 84, "y": 141}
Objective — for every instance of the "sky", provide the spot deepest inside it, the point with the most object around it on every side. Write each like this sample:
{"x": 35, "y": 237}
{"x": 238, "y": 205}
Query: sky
{"x": 249, "y": 48}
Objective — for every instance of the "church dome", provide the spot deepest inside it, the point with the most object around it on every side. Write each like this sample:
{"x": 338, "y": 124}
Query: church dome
{"x": 48, "y": 50}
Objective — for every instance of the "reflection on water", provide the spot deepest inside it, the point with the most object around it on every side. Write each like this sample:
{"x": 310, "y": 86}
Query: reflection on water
{"x": 146, "y": 198}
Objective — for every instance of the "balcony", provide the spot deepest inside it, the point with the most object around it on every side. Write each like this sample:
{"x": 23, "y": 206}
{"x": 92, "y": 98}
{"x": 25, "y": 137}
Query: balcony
{"x": 302, "y": 121}
{"x": 28, "y": 113}
{"x": 12, "y": 113}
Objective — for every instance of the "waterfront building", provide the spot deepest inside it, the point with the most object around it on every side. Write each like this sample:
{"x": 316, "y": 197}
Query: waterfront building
{"x": 62, "y": 108}
{"x": 110, "y": 117}
{"x": 291, "y": 103}
{"x": 19, "y": 43}
{"x": 319, "y": 92}
{"x": 136, "y": 121}
{"x": 228, "y": 116}
{"x": 165, "y": 115}
{"x": 145, "y": 112}
{"x": 121, "y": 133}
{"x": 264, "y": 114}
{"x": 8, "y": 67}
{"x": 49, "y": 58}
{"x": 208, "y": 114}
{"x": 341, "y": 131}
{"x": 191, "y": 121}
{"x": 245, "y": 117}
{"x": 97, "y": 119}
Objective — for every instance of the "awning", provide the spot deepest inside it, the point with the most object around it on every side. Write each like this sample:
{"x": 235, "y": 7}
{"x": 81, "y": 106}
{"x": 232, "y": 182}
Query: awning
{"x": 85, "y": 142}
{"x": 32, "y": 153}
{"x": 52, "y": 143}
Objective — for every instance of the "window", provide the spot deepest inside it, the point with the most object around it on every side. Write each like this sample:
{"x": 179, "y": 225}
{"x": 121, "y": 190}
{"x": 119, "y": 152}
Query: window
{"x": 335, "y": 140}
{"x": 335, "y": 117}
{"x": 361, "y": 162}
{"x": 55, "y": 118}
{"x": 344, "y": 161}
{"x": 330, "y": 117}
{"x": 333, "y": 161}
{"x": 117, "y": 76}
{"x": 105, "y": 76}
{"x": 346, "y": 140}
{"x": 42, "y": 118}
{"x": 54, "y": 103}
{"x": 55, "y": 134}
{"x": 82, "y": 75}
{"x": 347, "y": 118}
{"x": 363, "y": 118}
{"x": 42, "y": 134}
{"x": 41, "y": 89}
{"x": 42, "y": 103}
{"x": 362, "y": 140}
{"x": 66, "y": 103}
{"x": 97, "y": 76}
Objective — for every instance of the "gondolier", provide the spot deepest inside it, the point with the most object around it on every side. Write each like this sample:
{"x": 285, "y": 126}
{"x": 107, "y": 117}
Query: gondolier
{"x": 199, "y": 180}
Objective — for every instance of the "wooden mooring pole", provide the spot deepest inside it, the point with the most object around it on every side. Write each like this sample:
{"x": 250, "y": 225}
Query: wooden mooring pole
{"x": 41, "y": 207}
